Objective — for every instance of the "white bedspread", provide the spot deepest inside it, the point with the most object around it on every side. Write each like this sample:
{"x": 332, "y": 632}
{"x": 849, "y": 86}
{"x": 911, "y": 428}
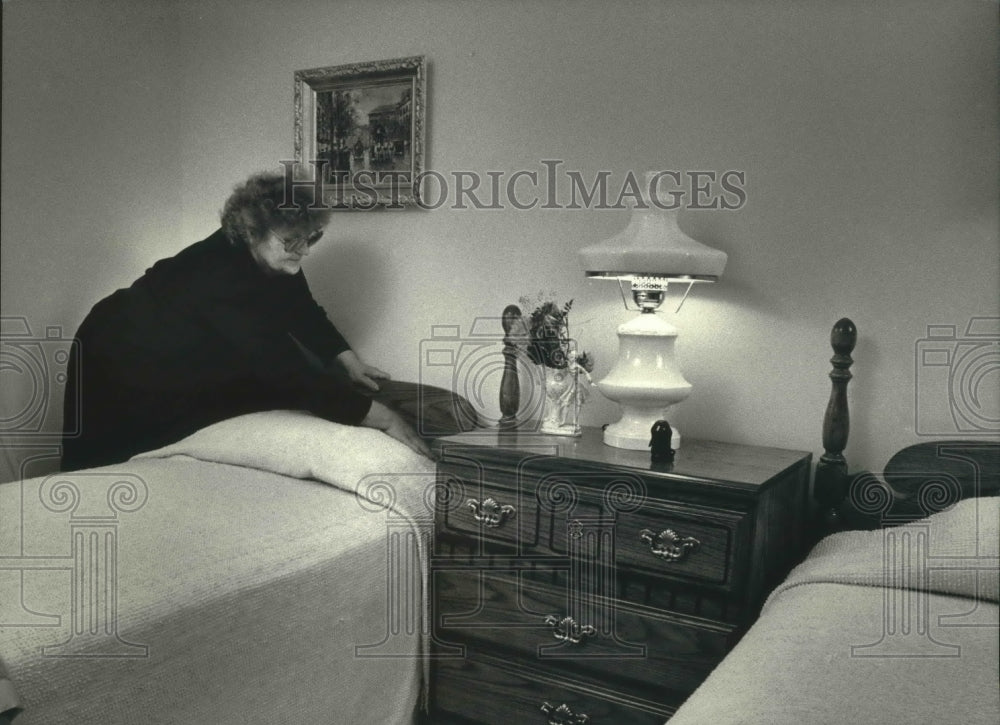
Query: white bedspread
{"x": 247, "y": 591}
{"x": 833, "y": 645}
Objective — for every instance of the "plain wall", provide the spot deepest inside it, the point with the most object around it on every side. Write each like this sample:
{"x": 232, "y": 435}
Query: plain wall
{"x": 867, "y": 133}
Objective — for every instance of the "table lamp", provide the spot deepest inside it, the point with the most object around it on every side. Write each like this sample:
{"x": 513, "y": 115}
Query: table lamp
{"x": 646, "y": 256}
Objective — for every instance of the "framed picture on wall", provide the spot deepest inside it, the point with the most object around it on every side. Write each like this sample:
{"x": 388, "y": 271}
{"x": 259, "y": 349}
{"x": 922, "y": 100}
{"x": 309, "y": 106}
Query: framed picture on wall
{"x": 360, "y": 128}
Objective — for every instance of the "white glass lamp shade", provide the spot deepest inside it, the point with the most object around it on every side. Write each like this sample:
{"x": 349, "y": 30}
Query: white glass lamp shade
{"x": 646, "y": 379}
{"x": 653, "y": 245}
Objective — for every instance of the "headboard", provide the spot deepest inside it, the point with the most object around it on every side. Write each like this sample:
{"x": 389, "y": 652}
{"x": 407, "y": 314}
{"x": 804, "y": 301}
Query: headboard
{"x": 918, "y": 481}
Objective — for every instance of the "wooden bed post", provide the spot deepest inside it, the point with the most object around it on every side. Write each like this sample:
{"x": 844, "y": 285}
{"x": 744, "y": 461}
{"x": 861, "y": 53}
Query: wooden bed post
{"x": 510, "y": 387}
{"x": 831, "y": 471}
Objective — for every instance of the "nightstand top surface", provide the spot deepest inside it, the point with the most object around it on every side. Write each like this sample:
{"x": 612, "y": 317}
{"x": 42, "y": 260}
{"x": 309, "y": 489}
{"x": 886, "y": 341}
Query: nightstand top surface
{"x": 729, "y": 464}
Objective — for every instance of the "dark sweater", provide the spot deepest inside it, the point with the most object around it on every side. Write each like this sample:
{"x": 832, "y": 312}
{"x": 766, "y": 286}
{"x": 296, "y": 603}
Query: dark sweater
{"x": 200, "y": 337}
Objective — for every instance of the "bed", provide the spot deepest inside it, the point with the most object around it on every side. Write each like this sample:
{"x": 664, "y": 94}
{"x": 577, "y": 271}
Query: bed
{"x": 893, "y": 616}
{"x": 268, "y": 568}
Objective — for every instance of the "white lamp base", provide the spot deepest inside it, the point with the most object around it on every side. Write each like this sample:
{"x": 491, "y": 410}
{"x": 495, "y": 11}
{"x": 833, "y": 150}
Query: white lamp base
{"x": 645, "y": 380}
{"x": 633, "y": 431}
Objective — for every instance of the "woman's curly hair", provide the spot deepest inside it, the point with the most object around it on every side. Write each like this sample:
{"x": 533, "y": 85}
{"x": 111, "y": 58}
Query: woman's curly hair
{"x": 259, "y": 205}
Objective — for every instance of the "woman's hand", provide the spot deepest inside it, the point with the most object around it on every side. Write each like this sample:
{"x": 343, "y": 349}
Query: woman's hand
{"x": 359, "y": 372}
{"x": 392, "y": 424}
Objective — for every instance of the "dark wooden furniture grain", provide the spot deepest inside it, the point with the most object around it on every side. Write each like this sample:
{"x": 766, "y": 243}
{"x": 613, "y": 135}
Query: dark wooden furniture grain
{"x": 510, "y": 385}
{"x": 831, "y": 470}
{"x": 576, "y": 583}
{"x": 918, "y": 481}
{"x": 572, "y": 579}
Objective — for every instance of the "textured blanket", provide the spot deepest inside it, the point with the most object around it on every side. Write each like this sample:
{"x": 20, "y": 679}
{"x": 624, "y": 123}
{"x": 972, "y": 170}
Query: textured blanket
{"x": 381, "y": 470}
{"x": 243, "y": 589}
{"x": 892, "y": 626}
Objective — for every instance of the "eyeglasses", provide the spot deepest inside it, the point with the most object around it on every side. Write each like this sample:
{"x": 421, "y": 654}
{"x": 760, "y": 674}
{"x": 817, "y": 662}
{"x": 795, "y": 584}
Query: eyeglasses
{"x": 294, "y": 245}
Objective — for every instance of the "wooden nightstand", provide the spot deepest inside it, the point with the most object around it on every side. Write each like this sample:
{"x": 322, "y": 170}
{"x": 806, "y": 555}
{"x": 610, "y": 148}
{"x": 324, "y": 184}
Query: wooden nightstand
{"x": 573, "y": 579}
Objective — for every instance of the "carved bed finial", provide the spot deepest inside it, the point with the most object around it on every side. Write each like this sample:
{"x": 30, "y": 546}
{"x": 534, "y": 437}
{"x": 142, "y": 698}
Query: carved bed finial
{"x": 831, "y": 471}
{"x": 510, "y": 387}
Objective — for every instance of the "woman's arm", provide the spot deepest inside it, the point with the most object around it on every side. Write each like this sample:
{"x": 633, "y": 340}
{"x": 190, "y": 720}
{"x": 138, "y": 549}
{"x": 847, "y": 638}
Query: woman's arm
{"x": 310, "y": 324}
{"x": 359, "y": 372}
{"x": 392, "y": 424}
{"x": 315, "y": 332}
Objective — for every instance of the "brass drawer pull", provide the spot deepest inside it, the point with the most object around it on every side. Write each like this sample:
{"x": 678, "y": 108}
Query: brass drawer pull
{"x": 562, "y": 715}
{"x": 668, "y": 544}
{"x": 567, "y": 630}
{"x": 489, "y": 513}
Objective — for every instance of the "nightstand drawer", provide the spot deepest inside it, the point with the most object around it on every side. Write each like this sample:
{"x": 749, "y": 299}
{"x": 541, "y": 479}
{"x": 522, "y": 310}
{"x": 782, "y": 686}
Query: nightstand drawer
{"x": 668, "y": 541}
{"x": 539, "y": 512}
{"x": 504, "y": 506}
{"x": 580, "y": 578}
{"x": 487, "y": 504}
{"x": 550, "y": 629}
{"x": 492, "y": 692}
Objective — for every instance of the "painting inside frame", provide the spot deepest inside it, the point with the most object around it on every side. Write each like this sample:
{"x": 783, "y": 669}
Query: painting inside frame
{"x": 360, "y": 127}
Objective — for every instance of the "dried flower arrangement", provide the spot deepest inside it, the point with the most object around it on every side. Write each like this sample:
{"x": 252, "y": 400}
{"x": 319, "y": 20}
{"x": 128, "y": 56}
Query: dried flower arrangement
{"x": 549, "y": 341}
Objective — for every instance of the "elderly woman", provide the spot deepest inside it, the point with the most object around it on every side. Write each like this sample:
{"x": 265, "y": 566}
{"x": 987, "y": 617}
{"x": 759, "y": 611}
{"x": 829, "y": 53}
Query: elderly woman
{"x": 226, "y": 327}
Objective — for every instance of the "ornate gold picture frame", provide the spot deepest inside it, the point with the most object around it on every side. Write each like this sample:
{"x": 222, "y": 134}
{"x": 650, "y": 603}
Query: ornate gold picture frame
{"x": 360, "y": 128}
